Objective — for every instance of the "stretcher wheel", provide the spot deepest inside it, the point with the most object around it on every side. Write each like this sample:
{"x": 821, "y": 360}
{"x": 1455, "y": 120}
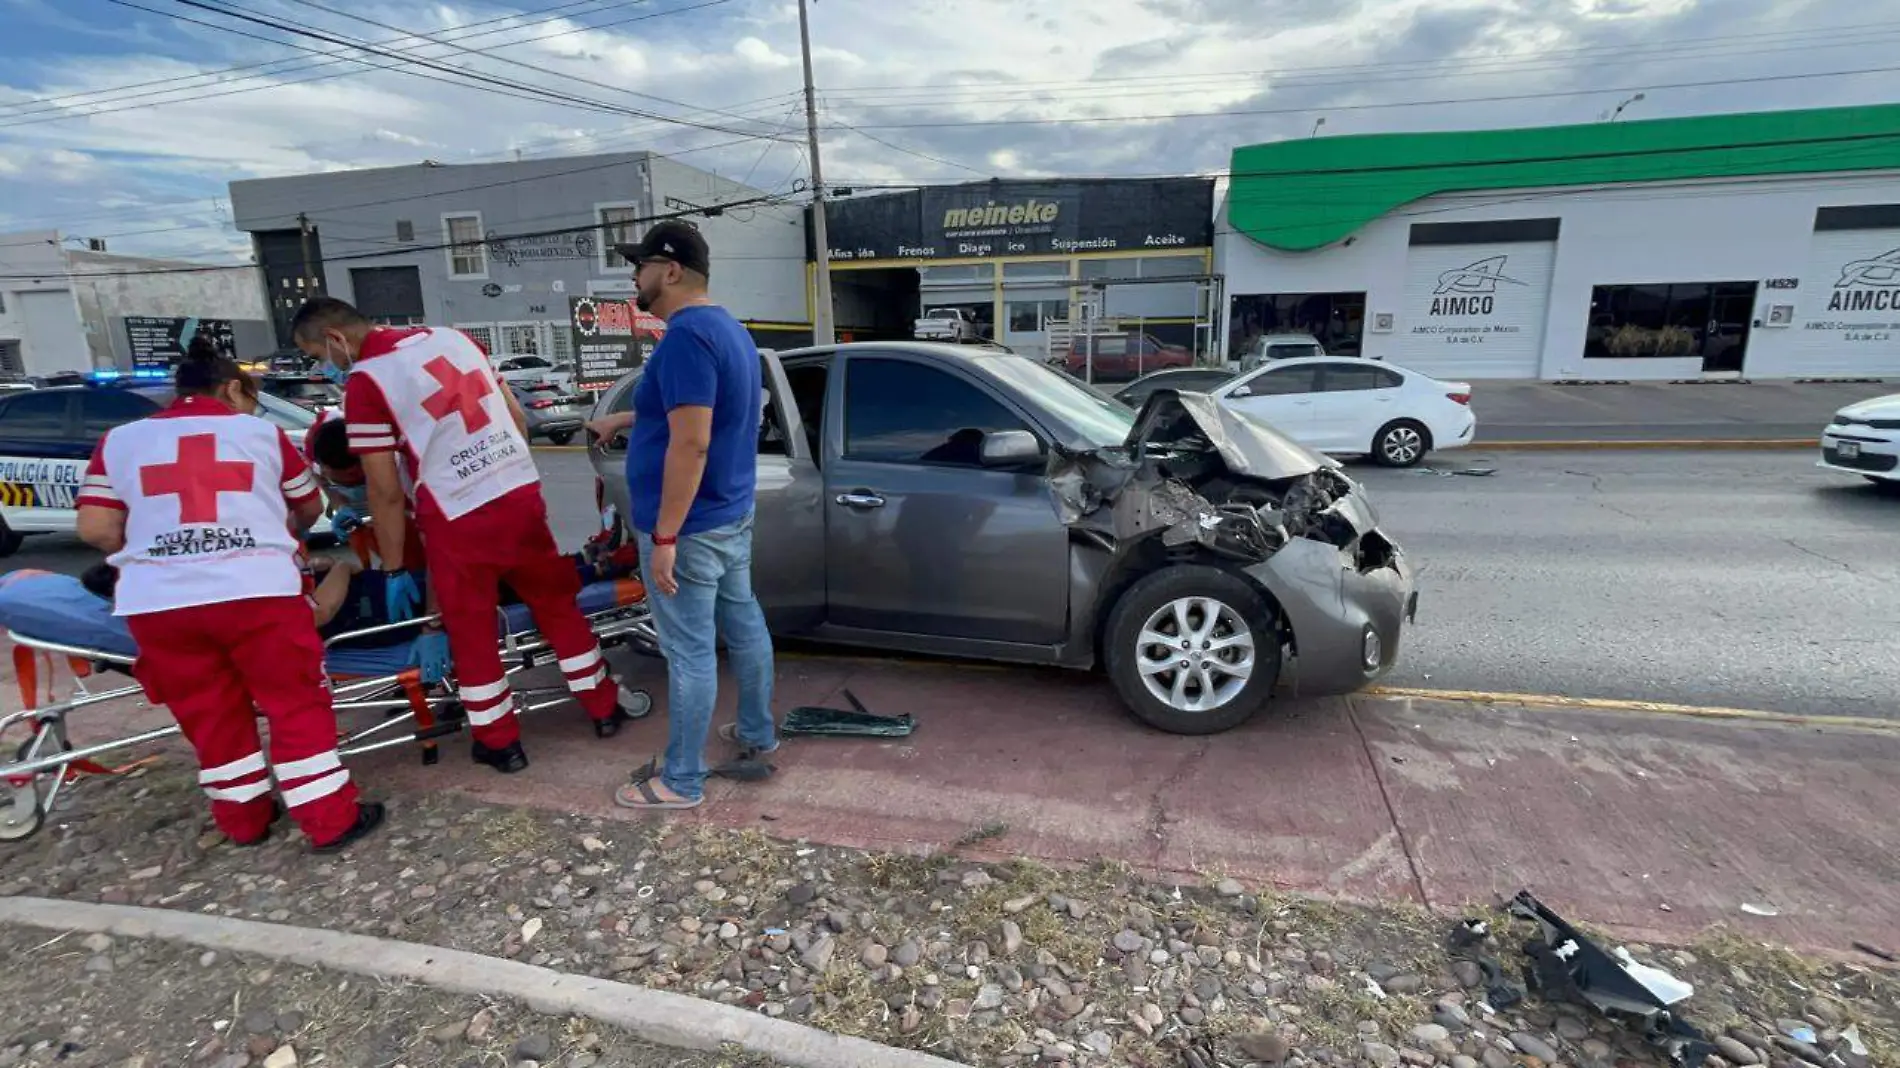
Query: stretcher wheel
{"x": 23, "y": 816}
{"x": 638, "y": 703}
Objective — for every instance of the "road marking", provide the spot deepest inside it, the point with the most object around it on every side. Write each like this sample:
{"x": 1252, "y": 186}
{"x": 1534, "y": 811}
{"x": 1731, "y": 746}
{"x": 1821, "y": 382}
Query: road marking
{"x": 1671, "y": 444}
{"x": 1659, "y": 708}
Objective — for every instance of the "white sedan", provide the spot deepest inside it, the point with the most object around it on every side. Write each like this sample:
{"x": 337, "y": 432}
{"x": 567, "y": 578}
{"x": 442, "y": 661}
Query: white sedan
{"x": 1864, "y": 439}
{"x": 1345, "y": 405}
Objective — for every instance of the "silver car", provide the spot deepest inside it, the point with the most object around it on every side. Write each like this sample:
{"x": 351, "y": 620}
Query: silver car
{"x": 948, "y": 500}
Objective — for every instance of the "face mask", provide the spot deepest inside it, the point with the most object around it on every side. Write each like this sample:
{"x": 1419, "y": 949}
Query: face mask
{"x": 329, "y": 368}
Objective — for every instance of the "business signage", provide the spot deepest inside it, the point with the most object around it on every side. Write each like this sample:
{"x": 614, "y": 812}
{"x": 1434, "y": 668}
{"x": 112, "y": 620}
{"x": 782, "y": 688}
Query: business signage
{"x": 1475, "y": 310}
{"x": 157, "y": 342}
{"x": 1028, "y": 218}
{"x": 609, "y": 337}
{"x": 1850, "y": 301}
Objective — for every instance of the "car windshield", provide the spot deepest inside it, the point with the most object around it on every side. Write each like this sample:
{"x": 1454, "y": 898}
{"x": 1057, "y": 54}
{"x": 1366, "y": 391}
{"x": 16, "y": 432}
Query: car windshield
{"x": 1096, "y": 417}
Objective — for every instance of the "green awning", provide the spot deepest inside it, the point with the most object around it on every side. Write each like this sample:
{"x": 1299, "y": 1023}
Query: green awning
{"x": 1303, "y": 194}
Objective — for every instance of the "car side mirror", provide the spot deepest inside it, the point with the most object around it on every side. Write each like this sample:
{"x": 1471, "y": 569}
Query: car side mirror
{"x": 1242, "y": 391}
{"x": 1010, "y": 448}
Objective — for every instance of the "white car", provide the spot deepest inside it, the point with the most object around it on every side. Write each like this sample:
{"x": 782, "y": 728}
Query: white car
{"x": 529, "y": 372}
{"x": 1350, "y": 406}
{"x": 1864, "y": 439}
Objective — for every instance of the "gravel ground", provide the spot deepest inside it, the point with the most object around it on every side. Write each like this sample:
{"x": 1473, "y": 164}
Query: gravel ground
{"x": 122, "y": 1003}
{"x": 1006, "y": 965}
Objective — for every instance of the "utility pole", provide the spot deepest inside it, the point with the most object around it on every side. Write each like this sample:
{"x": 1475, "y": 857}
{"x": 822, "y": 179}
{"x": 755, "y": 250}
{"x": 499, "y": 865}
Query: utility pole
{"x": 309, "y": 273}
{"x": 821, "y": 328}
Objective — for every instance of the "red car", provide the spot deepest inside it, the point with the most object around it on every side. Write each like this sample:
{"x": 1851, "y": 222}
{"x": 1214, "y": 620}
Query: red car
{"x": 1119, "y": 357}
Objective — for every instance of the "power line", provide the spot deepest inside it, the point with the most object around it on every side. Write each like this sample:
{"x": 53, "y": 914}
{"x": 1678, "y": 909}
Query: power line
{"x": 1378, "y": 106}
{"x": 907, "y": 151}
{"x": 436, "y": 247}
{"x": 512, "y": 62}
{"x": 327, "y": 77}
{"x": 286, "y": 26}
{"x": 1670, "y": 49}
{"x": 288, "y": 65}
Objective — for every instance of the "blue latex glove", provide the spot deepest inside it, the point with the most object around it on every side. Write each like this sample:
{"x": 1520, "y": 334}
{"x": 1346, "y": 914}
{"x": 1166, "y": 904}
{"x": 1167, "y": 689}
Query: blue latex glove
{"x": 401, "y": 595}
{"x": 345, "y": 520}
{"x": 433, "y": 652}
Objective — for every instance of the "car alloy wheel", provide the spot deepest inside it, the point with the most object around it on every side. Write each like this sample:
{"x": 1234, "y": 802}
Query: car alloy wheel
{"x": 1195, "y": 654}
{"x": 1401, "y": 445}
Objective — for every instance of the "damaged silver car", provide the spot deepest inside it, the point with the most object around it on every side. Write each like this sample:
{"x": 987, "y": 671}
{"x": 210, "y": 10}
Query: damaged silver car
{"x": 942, "y": 500}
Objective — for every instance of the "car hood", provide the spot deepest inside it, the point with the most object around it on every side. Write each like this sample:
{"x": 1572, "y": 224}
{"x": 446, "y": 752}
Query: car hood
{"x": 1247, "y": 447}
{"x": 1885, "y": 407}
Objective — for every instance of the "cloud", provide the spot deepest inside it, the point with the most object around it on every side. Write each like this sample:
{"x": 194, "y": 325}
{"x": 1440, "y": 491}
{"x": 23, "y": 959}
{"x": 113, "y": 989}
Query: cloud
{"x": 948, "y": 91}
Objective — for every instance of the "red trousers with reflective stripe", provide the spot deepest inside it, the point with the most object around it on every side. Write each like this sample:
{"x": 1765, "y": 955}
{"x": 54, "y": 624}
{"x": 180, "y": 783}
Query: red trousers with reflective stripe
{"x": 215, "y": 667}
{"x": 507, "y": 540}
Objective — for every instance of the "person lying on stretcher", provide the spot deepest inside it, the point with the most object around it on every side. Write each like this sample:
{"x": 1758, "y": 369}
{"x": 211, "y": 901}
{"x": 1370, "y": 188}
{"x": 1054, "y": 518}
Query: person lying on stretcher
{"x": 346, "y": 597}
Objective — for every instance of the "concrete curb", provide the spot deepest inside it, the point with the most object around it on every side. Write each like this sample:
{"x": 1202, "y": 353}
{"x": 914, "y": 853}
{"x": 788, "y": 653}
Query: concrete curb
{"x": 1681, "y": 444}
{"x": 666, "y": 1019}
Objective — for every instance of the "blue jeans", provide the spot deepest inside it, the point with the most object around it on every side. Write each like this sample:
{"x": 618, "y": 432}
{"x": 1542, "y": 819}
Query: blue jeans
{"x": 714, "y": 572}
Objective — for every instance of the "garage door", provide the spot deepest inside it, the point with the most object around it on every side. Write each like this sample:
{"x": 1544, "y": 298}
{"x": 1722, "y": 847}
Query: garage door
{"x": 1475, "y": 311}
{"x": 1850, "y": 304}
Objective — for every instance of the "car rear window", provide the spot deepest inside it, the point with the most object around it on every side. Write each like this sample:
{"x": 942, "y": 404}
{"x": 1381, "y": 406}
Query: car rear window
{"x": 35, "y": 417}
{"x": 101, "y": 410}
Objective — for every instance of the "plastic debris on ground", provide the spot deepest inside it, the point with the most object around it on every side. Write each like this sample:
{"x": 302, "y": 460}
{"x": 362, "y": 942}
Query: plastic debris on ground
{"x": 855, "y": 722}
{"x": 1761, "y": 910}
{"x": 1566, "y": 965}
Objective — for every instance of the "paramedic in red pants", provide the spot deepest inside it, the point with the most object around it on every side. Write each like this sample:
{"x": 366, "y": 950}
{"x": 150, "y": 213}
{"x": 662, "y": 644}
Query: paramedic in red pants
{"x": 430, "y": 395}
{"x": 194, "y": 506}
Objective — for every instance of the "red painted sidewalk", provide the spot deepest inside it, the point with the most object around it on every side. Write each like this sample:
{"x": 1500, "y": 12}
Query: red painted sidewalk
{"x": 1658, "y": 827}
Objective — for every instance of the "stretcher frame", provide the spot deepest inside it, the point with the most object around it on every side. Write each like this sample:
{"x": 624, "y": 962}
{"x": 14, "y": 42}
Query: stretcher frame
{"x": 46, "y": 763}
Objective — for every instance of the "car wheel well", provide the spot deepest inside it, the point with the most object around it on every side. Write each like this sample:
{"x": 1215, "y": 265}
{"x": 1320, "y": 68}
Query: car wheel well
{"x": 1153, "y": 557}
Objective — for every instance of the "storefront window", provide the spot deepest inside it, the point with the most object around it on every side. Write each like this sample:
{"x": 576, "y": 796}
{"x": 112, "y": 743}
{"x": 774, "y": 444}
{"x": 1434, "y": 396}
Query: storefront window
{"x": 1172, "y": 266}
{"x": 957, "y": 274}
{"x": 1335, "y": 320}
{"x": 1015, "y": 272}
{"x": 1027, "y": 316}
{"x": 1705, "y": 320}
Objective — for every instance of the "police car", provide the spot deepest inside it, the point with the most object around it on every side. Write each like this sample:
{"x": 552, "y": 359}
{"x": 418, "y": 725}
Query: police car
{"x": 47, "y": 436}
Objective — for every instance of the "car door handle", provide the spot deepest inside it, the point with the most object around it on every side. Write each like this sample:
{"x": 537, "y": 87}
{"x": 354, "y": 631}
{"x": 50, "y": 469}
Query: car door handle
{"x": 860, "y": 500}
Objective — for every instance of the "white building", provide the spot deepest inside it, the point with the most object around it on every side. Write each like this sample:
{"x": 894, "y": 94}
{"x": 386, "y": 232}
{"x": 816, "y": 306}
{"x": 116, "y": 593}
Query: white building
{"x": 66, "y": 309}
{"x": 1760, "y": 245}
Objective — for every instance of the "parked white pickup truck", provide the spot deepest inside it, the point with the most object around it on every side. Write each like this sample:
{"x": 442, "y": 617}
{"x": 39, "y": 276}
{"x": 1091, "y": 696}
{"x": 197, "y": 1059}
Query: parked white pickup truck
{"x": 946, "y": 324}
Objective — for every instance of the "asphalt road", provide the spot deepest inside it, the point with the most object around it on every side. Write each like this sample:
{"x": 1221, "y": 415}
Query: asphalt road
{"x": 1743, "y": 579}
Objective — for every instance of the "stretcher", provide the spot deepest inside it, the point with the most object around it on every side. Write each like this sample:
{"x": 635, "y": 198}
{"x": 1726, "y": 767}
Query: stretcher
{"x": 373, "y": 673}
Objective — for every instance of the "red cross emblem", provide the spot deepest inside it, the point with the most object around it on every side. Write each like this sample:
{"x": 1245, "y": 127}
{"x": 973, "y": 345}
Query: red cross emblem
{"x": 197, "y": 477}
{"x": 461, "y": 394}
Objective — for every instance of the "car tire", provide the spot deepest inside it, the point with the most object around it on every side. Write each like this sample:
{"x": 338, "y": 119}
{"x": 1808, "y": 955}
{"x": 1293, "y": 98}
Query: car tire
{"x": 10, "y": 539}
{"x": 1401, "y": 443}
{"x": 1233, "y": 606}
{"x": 561, "y": 437}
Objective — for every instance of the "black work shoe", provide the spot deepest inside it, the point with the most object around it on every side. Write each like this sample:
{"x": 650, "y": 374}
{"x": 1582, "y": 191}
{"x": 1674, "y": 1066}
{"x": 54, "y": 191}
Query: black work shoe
{"x": 369, "y": 816}
{"x": 507, "y": 760}
{"x": 607, "y": 728}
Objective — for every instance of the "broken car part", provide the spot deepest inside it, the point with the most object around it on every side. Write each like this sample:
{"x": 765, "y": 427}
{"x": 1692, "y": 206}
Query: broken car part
{"x": 1465, "y": 942}
{"x": 857, "y": 722}
{"x": 1565, "y": 964}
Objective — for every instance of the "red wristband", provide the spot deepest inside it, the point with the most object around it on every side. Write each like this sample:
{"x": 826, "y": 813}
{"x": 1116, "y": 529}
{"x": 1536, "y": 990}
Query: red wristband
{"x": 666, "y": 539}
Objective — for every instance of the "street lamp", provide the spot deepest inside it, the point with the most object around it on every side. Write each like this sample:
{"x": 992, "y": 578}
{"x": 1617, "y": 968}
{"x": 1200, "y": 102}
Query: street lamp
{"x": 1638, "y": 98}
{"x": 1317, "y": 123}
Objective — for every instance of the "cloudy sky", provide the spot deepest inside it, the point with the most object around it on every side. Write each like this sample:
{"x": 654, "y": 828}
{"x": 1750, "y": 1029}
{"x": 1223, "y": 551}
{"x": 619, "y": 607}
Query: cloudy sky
{"x": 119, "y": 119}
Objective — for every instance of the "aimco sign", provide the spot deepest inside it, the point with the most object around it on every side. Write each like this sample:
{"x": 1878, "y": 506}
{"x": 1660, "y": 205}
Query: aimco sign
{"x": 1002, "y": 219}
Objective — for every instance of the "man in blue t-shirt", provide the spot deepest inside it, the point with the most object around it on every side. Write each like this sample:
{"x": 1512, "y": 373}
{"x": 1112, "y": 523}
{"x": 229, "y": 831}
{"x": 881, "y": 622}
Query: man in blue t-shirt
{"x": 692, "y": 455}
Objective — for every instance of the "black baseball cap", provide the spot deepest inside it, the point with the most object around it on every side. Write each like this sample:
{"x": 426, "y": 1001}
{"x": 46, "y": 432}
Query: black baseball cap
{"x": 670, "y": 240}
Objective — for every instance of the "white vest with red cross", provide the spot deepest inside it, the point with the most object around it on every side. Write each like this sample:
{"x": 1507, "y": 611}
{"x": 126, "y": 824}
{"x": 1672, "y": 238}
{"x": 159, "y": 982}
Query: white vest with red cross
{"x": 206, "y": 521}
{"x": 452, "y": 420}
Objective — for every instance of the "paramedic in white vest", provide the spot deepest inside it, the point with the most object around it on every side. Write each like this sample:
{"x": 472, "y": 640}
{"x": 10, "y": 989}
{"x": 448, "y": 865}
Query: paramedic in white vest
{"x": 430, "y": 396}
{"x": 195, "y": 506}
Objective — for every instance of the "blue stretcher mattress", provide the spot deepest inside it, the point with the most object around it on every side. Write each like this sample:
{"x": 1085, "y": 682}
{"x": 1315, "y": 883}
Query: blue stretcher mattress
{"x": 59, "y": 608}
